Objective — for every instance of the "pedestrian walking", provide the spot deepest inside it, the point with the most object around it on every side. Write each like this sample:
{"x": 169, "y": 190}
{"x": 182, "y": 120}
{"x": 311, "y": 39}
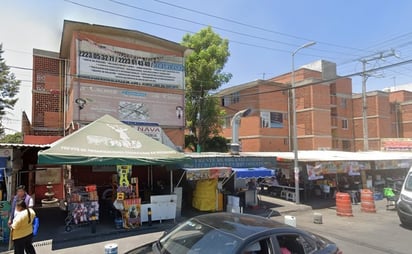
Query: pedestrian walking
{"x": 22, "y": 229}
{"x": 21, "y": 194}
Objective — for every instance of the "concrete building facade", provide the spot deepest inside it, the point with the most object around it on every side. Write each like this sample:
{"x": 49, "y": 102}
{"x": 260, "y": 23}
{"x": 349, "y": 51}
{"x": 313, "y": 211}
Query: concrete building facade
{"x": 135, "y": 77}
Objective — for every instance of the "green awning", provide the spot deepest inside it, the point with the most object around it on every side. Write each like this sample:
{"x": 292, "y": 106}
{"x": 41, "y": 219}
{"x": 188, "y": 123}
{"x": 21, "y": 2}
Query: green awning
{"x": 108, "y": 141}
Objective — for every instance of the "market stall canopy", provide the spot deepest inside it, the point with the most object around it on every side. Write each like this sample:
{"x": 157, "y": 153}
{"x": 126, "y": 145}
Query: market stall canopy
{"x": 108, "y": 141}
{"x": 253, "y": 172}
{"x": 318, "y": 155}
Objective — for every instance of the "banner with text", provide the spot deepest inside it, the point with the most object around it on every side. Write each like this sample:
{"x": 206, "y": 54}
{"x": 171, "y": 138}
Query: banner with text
{"x": 131, "y": 105}
{"x": 130, "y": 66}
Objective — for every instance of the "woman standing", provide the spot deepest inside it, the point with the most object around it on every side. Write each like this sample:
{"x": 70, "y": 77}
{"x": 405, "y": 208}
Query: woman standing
{"x": 22, "y": 229}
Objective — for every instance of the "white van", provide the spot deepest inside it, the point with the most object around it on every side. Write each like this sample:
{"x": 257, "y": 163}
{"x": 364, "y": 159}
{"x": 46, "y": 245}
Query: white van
{"x": 404, "y": 203}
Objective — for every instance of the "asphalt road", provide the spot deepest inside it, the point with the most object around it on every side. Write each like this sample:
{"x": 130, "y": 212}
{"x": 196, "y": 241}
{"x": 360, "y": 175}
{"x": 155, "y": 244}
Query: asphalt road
{"x": 378, "y": 233}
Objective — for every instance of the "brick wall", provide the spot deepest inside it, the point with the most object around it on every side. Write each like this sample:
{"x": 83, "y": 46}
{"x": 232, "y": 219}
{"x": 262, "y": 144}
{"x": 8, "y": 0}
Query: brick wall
{"x": 47, "y": 103}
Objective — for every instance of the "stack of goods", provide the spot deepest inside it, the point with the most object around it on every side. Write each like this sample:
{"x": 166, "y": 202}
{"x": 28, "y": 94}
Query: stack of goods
{"x": 127, "y": 197}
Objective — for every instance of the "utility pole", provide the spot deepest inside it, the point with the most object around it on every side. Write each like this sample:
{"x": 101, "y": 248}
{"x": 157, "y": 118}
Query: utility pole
{"x": 199, "y": 121}
{"x": 365, "y": 75}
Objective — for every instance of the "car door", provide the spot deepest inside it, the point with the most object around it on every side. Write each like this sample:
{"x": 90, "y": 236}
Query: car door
{"x": 293, "y": 243}
{"x": 262, "y": 246}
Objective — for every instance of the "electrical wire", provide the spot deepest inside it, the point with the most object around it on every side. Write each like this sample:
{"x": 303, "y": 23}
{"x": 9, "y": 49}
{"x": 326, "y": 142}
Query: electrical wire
{"x": 253, "y": 26}
{"x": 220, "y": 28}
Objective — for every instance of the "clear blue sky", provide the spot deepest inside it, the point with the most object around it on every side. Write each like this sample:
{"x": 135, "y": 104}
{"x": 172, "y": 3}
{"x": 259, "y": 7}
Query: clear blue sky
{"x": 345, "y": 31}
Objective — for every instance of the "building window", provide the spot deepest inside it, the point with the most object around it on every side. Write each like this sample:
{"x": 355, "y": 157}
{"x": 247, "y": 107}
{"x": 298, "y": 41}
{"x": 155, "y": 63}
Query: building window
{"x": 231, "y": 99}
{"x": 226, "y": 122}
{"x": 346, "y": 145}
{"x": 271, "y": 119}
{"x": 343, "y": 102}
{"x": 345, "y": 124}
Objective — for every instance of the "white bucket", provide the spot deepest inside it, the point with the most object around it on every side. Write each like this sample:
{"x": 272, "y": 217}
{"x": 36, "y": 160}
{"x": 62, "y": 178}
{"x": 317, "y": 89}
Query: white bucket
{"x": 317, "y": 218}
{"x": 290, "y": 220}
{"x": 110, "y": 248}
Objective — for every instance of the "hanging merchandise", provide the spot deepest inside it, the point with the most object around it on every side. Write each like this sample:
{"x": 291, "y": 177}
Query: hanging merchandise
{"x": 5, "y": 208}
{"x": 127, "y": 196}
{"x": 82, "y": 205}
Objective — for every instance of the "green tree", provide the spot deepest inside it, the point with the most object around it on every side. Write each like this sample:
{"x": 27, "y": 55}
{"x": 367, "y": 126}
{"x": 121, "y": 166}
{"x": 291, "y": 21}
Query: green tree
{"x": 16, "y": 138}
{"x": 9, "y": 88}
{"x": 204, "y": 73}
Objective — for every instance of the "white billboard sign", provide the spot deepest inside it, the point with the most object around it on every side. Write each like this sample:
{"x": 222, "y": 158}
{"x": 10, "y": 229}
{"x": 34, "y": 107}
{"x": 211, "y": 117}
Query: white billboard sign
{"x": 129, "y": 66}
{"x": 131, "y": 105}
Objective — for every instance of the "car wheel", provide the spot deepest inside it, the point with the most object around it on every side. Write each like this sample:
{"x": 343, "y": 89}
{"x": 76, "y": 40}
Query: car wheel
{"x": 405, "y": 223}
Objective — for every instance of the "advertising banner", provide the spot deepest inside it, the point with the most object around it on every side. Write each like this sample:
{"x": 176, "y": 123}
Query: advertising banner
{"x": 131, "y": 105}
{"x": 130, "y": 66}
{"x": 396, "y": 144}
{"x": 352, "y": 168}
{"x": 153, "y": 131}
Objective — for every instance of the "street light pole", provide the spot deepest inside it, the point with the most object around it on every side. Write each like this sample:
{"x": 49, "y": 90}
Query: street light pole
{"x": 295, "y": 129}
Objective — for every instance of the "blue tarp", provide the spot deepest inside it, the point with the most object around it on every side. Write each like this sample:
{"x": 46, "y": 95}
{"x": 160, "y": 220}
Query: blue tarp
{"x": 253, "y": 172}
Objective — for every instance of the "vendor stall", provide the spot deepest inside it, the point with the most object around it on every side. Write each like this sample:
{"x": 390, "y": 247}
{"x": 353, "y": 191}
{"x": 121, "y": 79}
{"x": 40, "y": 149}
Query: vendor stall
{"x": 207, "y": 194}
{"x": 108, "y": 141}
{"x": 329, "y": 177}
{"x": 246, "y": 183}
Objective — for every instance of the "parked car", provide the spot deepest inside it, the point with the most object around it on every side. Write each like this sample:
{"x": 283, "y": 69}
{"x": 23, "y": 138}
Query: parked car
{"x": 225, "y": 233}
{"x": 404, "y": 204}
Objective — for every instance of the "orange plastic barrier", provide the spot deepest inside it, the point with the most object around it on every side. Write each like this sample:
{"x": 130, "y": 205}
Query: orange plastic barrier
{"x": 343, "y": 204}
{"x": 367, "y": 201}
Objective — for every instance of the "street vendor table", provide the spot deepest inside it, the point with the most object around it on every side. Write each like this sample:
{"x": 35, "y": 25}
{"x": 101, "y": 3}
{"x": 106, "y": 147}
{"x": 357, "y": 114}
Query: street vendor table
{"x": 284, "y": 191}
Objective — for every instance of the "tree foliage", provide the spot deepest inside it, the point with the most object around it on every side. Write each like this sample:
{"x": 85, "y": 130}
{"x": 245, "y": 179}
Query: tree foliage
{"x": 204, "y": 73}
{"x": 16, "y": 138}
{"x": 9, "y": 88}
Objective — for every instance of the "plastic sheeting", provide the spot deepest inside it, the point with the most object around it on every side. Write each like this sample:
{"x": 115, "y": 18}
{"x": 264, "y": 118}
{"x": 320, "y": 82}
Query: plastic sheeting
{"x": 204, "y": 195}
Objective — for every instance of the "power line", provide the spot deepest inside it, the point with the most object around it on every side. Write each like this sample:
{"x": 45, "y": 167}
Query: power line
{"x": 20, "y": 68}
{"x": 183, "y": 30}
{"x": 333, "y": 79}
{"x": 202, "y": 24}
{"x": 166, "y": 26}
{"x": 252, "y": 26}
{"x": 217, "y": 28}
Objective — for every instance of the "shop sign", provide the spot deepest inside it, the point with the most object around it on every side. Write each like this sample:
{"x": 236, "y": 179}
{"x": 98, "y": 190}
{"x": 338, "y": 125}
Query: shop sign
{"x": 208, "y": 173}
{"x": 396, "y": 144}
{"x": 233, "y": 162}
{"x": 153, "y": 131}
{"x": 129, "y": 66}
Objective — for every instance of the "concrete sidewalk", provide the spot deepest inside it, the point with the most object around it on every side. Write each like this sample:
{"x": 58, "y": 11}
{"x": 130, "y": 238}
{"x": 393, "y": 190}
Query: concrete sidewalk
{"x": 124, "y": 244}
{"x": 52, "y": 232}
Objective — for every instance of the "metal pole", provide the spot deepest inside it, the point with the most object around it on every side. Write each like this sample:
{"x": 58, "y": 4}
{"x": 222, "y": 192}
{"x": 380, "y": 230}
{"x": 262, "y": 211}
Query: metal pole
{"x": 295, "y": 135}
{"x": 378, "y": 56}
{"x": 295, "y": 128}
{"x": 364, "y": 108}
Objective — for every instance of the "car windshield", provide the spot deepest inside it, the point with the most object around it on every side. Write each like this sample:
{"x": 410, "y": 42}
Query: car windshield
{"x": 194, "y": 237}
{"x": 408, "y": 183}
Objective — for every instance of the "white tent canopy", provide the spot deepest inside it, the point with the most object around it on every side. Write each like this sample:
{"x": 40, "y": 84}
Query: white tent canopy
{"x": 316, "y": 155}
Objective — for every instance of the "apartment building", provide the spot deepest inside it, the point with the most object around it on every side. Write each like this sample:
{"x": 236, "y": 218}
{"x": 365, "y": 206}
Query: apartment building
{"x": 135, "y": 77}
{"x": 329, "y": 115}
